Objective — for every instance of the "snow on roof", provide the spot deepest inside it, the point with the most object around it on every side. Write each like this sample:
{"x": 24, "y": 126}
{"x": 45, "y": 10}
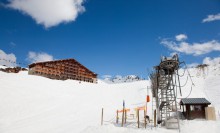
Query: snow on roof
{"x": 194, "y": 101}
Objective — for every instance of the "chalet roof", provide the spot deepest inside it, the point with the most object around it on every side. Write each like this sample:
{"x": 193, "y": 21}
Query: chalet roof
{"x": 185, "y": 101}
{"x": 71, "y": 59}
{"x": 42, "y": 62}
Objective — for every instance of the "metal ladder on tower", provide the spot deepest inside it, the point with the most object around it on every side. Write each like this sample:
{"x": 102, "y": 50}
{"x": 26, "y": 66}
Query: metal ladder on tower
{"x": 162, "y": 98}
{"x": 168, "y": 104}
{"x": 171, "y": 109}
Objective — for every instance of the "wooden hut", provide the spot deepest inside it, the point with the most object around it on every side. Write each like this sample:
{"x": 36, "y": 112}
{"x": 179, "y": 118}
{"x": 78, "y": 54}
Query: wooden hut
{"x": 194, "y": 107}
{"x": 62, "y": 70}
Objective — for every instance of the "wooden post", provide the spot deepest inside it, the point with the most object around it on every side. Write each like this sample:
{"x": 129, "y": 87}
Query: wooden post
{"x": 125, "y": 116}
{"x": 122, "y": 123}
{"x": 123, "y": 113}
{"x": 155, "y": 117}
{"x": 102, "y": 117}
{"x": 136, "y": 111}
{"x": 145, "y": 123}
{"x": 117, "y": 117}
{"x": 138, "y": 117}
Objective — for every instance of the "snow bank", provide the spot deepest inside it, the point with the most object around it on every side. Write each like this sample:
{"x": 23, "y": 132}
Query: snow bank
{"x": 33, "y": 104}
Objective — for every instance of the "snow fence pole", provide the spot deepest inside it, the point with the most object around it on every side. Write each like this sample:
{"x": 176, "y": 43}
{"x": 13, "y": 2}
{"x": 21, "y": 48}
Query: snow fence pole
{"x": 125, "y": 115}
{"x": 102, "y": 116}
{"x": 145, "y": 123}
{"x": 123, "y": 111}
{"x": 117, "y": 117}
{"x": 138, "y": 117}
{"x": 155, "y": 117}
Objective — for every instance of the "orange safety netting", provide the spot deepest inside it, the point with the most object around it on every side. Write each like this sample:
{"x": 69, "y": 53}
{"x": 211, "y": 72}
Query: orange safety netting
{"x": 120, "y": 111}
{"x": 140, "y": 108}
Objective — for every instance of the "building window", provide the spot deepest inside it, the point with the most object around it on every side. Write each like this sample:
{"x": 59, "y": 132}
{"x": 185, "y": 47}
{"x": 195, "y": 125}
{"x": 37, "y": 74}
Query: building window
{"x": 198, "y": 108}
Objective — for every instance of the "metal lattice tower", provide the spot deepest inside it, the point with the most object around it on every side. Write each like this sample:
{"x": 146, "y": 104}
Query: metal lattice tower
{"x": 163, "y": 88}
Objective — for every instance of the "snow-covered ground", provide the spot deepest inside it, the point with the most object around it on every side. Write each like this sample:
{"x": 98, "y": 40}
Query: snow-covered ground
{"x": 34, "y": 104}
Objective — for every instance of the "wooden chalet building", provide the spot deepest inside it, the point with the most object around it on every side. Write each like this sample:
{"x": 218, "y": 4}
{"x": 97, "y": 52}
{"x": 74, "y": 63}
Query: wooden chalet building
{"x": 62, "y": 70}
{"x": 194, "y": 107}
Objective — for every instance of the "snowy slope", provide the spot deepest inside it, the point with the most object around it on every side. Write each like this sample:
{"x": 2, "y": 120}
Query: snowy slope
{"x": 206, "y": 84}
{"x": 33, "y": 104}
{"x": 37, "y": 104}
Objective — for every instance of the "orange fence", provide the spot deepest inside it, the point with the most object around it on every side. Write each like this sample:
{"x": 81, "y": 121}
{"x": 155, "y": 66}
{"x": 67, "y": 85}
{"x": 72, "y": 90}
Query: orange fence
{"x": 120, "y": 111}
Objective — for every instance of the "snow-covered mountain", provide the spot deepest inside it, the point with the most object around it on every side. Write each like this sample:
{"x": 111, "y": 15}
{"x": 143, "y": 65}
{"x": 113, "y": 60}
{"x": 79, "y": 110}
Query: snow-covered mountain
{"x": 121, "y": 79}
{"x": 34, "y": 104}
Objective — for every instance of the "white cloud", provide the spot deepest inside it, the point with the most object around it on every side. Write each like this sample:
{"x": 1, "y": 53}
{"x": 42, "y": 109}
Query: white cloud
{"x": 194, "y": 48}
{"x": 7, "y": 59}
{"x": 192, "y": 65}
{"x": 211, "y": 18}
{"x": 39, "y": 57}
{"x": 173, "y": 53}
{"x": 211, "y": 61}
{"x": 49, "y": 12}
{"x": 206, "y": 60}
{"x": 181, "y": 37}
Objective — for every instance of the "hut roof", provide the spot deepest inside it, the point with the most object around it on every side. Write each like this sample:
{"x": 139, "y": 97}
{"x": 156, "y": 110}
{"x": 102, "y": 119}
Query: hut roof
{"x": 185, "y": 101}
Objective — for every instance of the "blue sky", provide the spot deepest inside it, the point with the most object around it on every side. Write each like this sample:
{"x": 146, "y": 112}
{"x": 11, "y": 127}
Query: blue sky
{"x": 115, "y": 37}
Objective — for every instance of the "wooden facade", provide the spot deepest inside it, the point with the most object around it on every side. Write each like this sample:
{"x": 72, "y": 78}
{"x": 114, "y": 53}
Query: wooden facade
{"x": 62, "y": 70}
{"x": 193, "y": 108}
{"x": 13, "y": 69}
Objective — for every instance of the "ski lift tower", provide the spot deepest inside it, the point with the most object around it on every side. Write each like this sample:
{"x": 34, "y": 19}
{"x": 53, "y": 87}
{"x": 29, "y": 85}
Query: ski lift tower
{"x": 165, "y": 93}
